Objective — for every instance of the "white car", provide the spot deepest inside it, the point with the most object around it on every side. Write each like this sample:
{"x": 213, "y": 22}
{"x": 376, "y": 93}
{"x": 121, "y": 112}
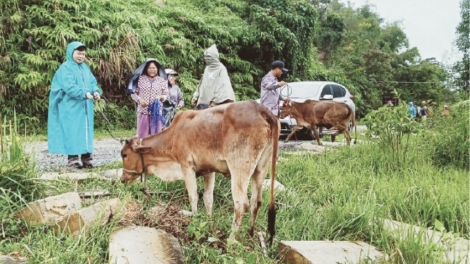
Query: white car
{"x": 314, "y": 90}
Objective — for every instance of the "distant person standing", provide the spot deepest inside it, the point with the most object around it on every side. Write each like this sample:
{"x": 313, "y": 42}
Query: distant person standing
{"x": 215, "y": 87}
{"x": 412, "y": 110}
{"x": 446, "y": 111}
{"x": 70, "y": 121}
{"x": 270, "y": 84}
{"x": 423, "y": 110}
{"x": 175, "y": 94}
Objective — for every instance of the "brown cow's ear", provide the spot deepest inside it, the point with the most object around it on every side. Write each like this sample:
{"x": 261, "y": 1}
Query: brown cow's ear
{"x": 142, "y": 149}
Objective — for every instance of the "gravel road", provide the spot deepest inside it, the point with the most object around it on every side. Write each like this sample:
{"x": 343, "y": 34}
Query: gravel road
{"x": 106, "y": 151}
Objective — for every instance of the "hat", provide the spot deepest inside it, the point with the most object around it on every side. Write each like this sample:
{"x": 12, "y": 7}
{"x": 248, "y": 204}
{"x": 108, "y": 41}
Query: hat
{"x": 170, "y": 72}
{"x": 279, "y": 64}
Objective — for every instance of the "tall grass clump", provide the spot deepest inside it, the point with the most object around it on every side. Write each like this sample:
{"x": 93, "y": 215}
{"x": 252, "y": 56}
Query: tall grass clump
{"x": 17, "y": 180}
{"x": 17, "y": 169}
{"x": 391, "y": 128}
{"x": 448, "y": 141}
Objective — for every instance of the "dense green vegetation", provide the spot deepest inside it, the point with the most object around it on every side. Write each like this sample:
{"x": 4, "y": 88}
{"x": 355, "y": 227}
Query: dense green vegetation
{"x": 338, "y": 195}
{"x": 318, "y": 40}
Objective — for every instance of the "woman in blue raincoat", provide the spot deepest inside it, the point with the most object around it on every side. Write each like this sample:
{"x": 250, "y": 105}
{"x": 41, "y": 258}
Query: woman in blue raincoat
{"x": 71, "y": 117}
{"x": 412, "y": 110}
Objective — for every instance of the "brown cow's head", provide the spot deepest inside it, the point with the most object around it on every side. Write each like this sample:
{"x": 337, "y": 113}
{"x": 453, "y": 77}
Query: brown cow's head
{"x": 133, "y": 159}
{"x": 286, "y": 108}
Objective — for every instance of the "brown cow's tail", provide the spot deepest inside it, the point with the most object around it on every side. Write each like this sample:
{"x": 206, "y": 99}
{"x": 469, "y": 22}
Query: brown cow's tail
{"x": 272, "y": 208}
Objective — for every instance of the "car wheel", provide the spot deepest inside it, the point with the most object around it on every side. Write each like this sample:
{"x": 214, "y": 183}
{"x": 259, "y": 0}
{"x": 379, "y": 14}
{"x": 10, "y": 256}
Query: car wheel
{"x": 305, "y": 134}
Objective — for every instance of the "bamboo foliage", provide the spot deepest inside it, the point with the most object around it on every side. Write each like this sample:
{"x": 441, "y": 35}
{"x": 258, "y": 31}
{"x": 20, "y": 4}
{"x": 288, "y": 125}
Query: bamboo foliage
{"x": 121, "y": 34}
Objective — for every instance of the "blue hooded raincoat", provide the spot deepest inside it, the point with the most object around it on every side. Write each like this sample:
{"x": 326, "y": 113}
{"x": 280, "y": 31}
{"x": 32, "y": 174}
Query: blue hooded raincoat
{"x": 412, "y": 109}
{"x": 70, "y": 120}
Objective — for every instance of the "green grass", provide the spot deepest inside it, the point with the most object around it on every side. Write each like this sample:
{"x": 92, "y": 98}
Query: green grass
{"x": 339, "y": 195}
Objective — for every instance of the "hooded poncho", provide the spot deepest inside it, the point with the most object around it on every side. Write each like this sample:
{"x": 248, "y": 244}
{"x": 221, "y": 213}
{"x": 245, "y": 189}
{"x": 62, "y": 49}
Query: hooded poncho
{"x": 412, "y": 109}
{"x": 215, "y": 84}
{"x": 70, "y": 118}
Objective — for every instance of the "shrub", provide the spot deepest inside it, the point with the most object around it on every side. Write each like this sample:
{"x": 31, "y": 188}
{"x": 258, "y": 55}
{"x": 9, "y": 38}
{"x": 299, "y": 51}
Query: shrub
{"x": 391, "y": 128}
{"x": 448, "y": 141}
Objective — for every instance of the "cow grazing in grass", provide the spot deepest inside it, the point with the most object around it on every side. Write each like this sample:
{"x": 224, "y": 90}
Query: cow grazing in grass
{"x": 238, "y": 140}
{"x": 313, "y": 114}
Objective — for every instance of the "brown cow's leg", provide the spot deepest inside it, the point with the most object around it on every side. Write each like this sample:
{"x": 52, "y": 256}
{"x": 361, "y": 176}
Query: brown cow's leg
{"x": 344, "y": 129}
{"x": 240, "y": 182}
{"x": 209, "y": 180}
{"x": 191, "y": 186}
{"x": 256, "y": 191}
{"x": 292, "y": 133}
{"x": 317, "y": 135}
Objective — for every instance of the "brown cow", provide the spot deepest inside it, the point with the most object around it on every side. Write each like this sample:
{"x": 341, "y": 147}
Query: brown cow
{"x": 312, "y": 114}
{"x": 238, "y": 140}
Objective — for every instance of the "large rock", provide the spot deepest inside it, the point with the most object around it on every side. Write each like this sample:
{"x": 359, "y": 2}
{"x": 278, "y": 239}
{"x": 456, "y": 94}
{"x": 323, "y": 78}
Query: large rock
{"x": 327, "y": 252}
{"x": 50, "y": 209}
{"x": 99, "y": 214}
{"x": 144, "y": 245}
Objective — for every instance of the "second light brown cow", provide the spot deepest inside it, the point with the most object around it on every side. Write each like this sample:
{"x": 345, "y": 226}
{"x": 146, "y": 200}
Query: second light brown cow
{"x": 313, "y": 114}
{"x": 238, "y": 140}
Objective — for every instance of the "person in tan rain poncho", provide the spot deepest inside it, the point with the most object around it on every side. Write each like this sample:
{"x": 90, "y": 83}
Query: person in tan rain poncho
{"x": 215, "y": 87}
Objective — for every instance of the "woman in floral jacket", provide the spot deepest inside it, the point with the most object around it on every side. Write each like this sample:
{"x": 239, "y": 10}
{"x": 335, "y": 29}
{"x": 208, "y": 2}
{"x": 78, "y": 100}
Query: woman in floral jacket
{"x": 151, "y": 87}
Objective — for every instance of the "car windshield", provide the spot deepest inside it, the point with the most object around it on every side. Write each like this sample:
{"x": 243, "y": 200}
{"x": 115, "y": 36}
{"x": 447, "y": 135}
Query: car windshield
{"x": 301, "y": 90}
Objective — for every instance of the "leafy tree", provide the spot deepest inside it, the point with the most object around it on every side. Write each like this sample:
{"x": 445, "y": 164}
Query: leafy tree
{"x": 462, "y": 68}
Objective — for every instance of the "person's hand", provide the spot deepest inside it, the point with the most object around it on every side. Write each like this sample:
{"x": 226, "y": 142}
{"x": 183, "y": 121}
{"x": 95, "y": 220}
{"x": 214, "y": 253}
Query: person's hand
{"x": 179, "y": 106}
{"x": 193, "y": 101}
{"x": 96, "y": 96}
{"x": 282, "y": 83}
{"x": 89, "y": 96}
{"x": 143, "y": 103}
{"x": 212, "y": 104}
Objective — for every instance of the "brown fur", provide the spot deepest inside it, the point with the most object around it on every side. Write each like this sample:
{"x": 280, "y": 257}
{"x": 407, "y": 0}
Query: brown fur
{"x": 238, "y": 140}
{"x": 312, "y": 114}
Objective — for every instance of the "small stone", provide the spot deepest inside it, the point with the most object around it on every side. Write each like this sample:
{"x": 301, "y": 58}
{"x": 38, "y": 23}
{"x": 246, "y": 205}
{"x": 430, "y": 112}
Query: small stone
{"x": 112, "y": 174}
{"x": 94, "y": 193}
{"x": 277, "y": 185}
{"x": 71, "y": 176}
{"x": 186, "y": 213}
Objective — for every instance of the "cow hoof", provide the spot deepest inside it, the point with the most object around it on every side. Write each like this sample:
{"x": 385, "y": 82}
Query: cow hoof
{"x": 186, "y": 213}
